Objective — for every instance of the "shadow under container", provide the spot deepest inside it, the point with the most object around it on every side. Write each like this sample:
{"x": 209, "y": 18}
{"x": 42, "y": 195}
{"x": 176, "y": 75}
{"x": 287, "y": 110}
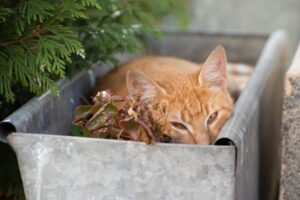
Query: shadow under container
{"x": 243, "y": 164}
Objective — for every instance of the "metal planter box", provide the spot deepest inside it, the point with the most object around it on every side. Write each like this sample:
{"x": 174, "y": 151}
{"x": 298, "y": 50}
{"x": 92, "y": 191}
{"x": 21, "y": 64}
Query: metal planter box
{"x": 244, "y": 163}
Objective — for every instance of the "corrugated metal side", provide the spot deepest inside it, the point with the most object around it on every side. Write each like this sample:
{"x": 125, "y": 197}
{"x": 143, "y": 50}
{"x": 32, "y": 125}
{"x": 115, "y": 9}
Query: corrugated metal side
{"x": 73, "y": 168}
{"x": 255, "y": 125}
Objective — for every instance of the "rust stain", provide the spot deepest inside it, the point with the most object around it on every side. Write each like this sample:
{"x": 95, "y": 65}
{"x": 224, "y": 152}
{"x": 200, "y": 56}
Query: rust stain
{"x": 287, "y": 87}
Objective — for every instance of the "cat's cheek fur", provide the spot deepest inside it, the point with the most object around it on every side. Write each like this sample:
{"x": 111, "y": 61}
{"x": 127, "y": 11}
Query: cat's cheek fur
{"x": 174, "y": 135}
{"x": 159, "y": 112}
{"x": 179, "y": 137}
{"x": 215, "y": 128}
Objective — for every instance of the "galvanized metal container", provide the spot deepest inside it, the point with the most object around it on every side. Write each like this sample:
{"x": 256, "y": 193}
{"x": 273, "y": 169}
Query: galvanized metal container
{"x": 244, "y": 163}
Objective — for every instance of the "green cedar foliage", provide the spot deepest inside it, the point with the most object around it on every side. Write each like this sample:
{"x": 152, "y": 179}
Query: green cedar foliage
{"x": 41, "y": 40}
{"x": 35, "y": 44}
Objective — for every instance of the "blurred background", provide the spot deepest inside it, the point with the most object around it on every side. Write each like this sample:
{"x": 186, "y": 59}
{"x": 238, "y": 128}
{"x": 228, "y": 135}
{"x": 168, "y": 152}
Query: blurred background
{"x": 250, "y": 17}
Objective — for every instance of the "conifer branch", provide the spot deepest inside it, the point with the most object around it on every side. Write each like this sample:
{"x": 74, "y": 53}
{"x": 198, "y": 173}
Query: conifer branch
{"x": 54, "y": 34}
{"x": 36, "y": 33}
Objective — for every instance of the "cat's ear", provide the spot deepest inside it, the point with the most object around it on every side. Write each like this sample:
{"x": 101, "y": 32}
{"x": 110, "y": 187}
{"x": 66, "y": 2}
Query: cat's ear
{"x": 213, "y": 71}
{"x": 138, "y": 82}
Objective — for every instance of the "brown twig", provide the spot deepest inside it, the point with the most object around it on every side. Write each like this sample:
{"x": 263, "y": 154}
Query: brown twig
{"x": 36, "y": 32}
{"x": 147, "y": 129}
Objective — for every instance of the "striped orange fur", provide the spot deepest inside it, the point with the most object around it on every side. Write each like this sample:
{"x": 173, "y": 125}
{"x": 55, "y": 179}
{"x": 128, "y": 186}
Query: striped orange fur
{"x": 189, "y": 101}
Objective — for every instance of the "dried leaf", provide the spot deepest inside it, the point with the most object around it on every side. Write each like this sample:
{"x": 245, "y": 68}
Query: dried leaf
{"x": 146, "y": 129}
{"x": 95, "y": 108}
{"x": 82, "y": 112}
{"x": 145, "y": 137}
{"x": 104, "y": 120}
{"x": 100, "y": 133}
{"x": 130, "y": 127}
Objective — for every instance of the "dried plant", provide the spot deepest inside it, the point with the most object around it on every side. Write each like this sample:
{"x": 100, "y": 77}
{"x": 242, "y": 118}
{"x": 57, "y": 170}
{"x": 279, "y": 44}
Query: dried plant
{"x": 103, "y": 119}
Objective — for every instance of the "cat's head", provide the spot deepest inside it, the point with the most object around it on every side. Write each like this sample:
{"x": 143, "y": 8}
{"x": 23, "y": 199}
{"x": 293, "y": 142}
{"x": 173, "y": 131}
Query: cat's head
{"x": 190, "y": 108}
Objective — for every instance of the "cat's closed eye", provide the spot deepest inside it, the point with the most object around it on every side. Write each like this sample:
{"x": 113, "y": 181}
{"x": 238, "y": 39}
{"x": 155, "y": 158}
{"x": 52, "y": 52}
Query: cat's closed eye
{"x": 212, "y": 117}
{"x": 179, "y": 125}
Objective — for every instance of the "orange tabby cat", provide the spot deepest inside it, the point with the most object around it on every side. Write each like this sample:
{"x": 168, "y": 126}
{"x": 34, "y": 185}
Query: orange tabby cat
{"x": 190, "y": 102}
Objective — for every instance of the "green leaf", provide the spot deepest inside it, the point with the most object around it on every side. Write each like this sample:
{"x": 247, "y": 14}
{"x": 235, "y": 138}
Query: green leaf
{"x": 96, "y": 122}
{"x": 110, "y": 108}
{"x": 75, "y": 131}
{"x": 86, "y": 132}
